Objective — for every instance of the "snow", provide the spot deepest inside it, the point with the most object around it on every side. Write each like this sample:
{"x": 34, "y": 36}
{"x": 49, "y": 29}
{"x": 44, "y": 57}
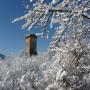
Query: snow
{"x": 42, "y": 13}
{"x": 53, "y": 2}
{"x": 31, "y": 0}
{"x": 66, "y": 64}
{"x": 43, "y": 72}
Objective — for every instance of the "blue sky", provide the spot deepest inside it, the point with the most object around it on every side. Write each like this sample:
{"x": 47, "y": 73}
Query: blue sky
{"x": 12, "y": 38}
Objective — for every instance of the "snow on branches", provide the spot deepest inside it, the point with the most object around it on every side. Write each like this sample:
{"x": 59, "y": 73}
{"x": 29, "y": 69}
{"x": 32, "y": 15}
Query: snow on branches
{"x": 42, "y": 14}
{"x": 68, "y": 64}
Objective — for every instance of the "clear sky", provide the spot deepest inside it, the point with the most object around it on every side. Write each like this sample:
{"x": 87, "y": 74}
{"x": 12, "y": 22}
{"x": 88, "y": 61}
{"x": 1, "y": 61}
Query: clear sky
{"x": 12, "y": 38}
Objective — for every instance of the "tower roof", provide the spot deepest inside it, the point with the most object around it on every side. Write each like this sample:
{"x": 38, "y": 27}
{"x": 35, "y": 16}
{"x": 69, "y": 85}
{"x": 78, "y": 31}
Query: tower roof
{"x": 30, "y": 36}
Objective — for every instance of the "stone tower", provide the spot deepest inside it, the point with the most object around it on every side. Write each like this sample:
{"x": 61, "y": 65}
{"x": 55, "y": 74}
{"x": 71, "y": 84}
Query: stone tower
{"x": 31, "y": 44}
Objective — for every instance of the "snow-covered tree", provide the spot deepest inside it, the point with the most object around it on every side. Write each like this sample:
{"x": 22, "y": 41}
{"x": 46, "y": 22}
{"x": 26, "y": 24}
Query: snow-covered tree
{"x": 44, "y": 13}
{"x": 67, "y": 65}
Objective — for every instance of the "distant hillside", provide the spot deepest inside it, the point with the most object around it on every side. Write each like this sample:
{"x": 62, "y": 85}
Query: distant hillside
{"x": 2, "y": 56}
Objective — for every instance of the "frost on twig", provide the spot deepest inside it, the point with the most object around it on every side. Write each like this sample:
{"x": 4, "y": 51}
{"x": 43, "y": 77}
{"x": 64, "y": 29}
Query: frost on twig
{"x": 42, "y": 14}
